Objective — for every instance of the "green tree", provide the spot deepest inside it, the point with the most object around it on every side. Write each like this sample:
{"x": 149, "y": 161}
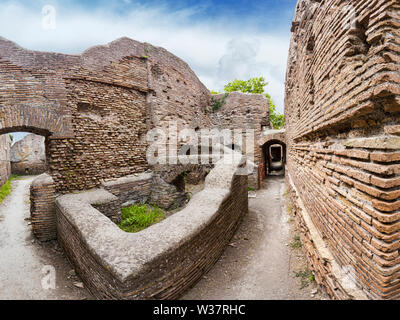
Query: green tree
{"x": 215, "y": 92}
{"x": 257, "y": 85}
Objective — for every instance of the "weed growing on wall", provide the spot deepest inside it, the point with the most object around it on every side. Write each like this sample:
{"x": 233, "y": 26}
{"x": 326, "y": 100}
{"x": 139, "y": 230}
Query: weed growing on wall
{"x": 218, "y": 103}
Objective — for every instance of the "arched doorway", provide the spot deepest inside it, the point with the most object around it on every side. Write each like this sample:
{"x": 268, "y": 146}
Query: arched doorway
{"x": 274, "y": 157}
{"x": 23, "y": 131}
{"x": 24, "y": 161}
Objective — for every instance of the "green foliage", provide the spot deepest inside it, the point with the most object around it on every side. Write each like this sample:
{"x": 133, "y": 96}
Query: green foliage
{"x": 215, "y": 92}
{"x": 306, "y": 277}
{"x": 253, "y": 85}
{"x": 277, "y": 119}
{"x": 138, "y": 217}
{"x": 251, "y": 189}
{"x": 218, "y": 103}
{"x": 11, "y": 137}
{"x": 257, "y": 85}
{"x": 296, "y": 244}
{"x": 6, "y": 188}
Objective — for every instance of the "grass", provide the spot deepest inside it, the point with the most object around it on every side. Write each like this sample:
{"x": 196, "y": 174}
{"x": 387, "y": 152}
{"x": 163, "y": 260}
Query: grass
{"x": 138, "y": 217}
{"x": 6, "y": 188}
{"x": 306, "y": 276}
{"x": 289, "y": 209}
{"x": 251, "y": 189}
{"x": 296, "y": 244}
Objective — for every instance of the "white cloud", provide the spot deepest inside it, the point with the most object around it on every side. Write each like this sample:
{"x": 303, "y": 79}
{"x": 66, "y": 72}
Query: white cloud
{"x": 218, "y": 51}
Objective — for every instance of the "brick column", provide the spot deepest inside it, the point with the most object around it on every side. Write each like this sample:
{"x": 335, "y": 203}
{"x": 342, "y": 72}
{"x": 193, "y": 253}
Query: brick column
{"x": 42, "y": 208}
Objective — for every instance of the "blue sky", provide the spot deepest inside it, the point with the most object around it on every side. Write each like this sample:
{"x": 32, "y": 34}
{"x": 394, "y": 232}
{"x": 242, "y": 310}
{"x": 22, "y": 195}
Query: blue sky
{"x": 220, "y": 40}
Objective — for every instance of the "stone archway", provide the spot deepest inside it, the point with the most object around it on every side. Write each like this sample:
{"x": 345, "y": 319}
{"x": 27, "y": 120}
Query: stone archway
{"x": 274, "y": 156}
{"x": 268, "y": 139}
{"x": 37, "y": 120}
{"x": 42, "y": 189}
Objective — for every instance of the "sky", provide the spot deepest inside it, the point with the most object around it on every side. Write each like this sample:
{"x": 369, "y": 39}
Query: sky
{"x": 221, "y": 40}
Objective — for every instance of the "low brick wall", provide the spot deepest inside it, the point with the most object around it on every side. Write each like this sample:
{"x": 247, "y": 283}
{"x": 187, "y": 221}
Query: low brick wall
{"x": 162, "y": 261}
{"x": 42, "y": 197}
{"x": 131, "y": 189}
{"x": 28, "y": 168}
{"x": 105, "y": 202}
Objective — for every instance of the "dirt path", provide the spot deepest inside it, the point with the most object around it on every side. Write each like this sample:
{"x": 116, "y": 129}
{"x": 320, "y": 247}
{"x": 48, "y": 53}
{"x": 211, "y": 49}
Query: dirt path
{"x": 23, "y": 261}
{"x": 262, "y": 261}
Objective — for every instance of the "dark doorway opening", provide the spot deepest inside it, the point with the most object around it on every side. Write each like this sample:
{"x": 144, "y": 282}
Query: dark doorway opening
{"x": 274, "y": 157}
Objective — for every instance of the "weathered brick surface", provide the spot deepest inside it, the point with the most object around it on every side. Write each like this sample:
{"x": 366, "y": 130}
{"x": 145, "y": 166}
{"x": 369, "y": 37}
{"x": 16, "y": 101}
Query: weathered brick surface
{"x": 5, "y": 150}
{"x": 342, "y": 112}
{"x": 42, "y": 208}
{"x": 160, "y": 262}
{"x": 131, "y": 189}
{"x": 96, "y": 108}
{"x": 243, "y": 111}
{"x": 28, "y": 155}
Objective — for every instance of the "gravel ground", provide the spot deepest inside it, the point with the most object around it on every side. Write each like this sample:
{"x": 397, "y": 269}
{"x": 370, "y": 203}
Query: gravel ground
{"x": 263, "y": 258}
{"x": 25, "y": 263}
{"x": 260, "y": 263}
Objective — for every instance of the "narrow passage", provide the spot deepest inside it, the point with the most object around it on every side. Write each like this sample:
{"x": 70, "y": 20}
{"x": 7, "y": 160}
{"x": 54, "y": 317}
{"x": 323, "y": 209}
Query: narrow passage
{"x": 23, "y": 261}
{"x": 263, "y": 258}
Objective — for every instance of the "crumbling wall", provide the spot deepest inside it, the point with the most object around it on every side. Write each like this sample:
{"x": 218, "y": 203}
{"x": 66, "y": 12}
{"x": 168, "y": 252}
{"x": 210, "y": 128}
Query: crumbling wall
{"x": 342, "y": 110}
{"x": 96, "y": 108}
{"x": 162, "y": 261}
{"x": 28, "y": 156}
{"x": 43, "y": 216}
{"x": 241, "y": 111}
{"x": 5, "y": 166}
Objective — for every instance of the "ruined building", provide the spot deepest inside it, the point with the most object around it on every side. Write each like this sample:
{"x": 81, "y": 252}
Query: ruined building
{"x": 341, "y": 150}
{"x": 5, "y": 167}
{"x": 343, "y": 147}
{"x": 95, "y": 111}
{"x": 28, "y": 155}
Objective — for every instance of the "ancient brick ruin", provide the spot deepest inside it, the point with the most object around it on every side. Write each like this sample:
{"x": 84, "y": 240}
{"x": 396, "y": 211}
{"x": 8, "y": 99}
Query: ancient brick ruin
{"x": 28, "y": 156}
{"x": 340, "y": 151}
{"x": 95, "y": 111}
{"x": 5, "y": 166}
{"x": 343, "y": 113}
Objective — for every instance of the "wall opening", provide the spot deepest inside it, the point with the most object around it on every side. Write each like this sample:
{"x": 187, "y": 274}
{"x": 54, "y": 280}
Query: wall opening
{"x": 274, "y": 157}
{"x": 27, "y": 154}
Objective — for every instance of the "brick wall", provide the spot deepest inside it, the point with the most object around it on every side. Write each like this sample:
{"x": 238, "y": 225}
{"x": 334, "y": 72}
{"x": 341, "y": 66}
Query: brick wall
{"x": 5, "y": 167}
{"x": 244, "y": 111}
{"x": 162, "y": 261}
{"x": 28, "y": 155}
{"x": 42, "y": 196}
{"x": 342, "y": 112}
{"x": 95, "y": 108}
